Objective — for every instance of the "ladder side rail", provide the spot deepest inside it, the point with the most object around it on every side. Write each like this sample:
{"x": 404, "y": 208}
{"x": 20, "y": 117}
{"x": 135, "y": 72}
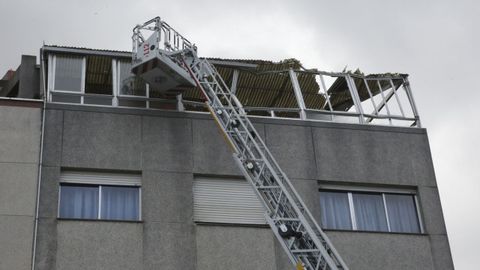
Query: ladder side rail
{"x": 328, "y": 244}
{"x": 274, "y": 172}
{"x": 299, "y": 201}
{"x": 293, "y": 191}
{"x": 273, "y": 225}
{"x": 217, "y": 102}
{"x": 219, "y": 81}
{"x": 208, "y": 85}
{"x": 252, "y": 155}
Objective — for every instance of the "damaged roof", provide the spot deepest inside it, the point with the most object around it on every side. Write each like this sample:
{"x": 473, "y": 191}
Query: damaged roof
{"x": 264, "y": 84}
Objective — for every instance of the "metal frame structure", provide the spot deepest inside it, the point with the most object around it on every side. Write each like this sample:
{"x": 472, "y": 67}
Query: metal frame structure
{"x": 375, "y": 110}
{"x": 301, "y": 237}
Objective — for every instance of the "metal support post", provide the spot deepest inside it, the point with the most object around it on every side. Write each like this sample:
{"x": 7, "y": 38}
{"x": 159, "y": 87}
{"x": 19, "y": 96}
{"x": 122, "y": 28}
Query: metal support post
{"x": 298, "y": 94}
{"x": 355, "y": 97}
{"x": 234, "y": 81}
{"x": 180, "y": 106}
{"x": 406, "y": 85}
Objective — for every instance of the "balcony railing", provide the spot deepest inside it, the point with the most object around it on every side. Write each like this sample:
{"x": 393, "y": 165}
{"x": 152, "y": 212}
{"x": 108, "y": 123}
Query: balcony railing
{"x": 348, "y": 97}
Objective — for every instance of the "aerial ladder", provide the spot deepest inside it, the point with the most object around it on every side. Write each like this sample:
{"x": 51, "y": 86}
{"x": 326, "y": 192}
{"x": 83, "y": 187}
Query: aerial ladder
{"x": 167, "y": 62}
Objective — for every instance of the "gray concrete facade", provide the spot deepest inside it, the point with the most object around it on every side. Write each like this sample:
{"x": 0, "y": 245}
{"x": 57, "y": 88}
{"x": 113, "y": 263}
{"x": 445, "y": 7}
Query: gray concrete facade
{"x": 170, "y": 148}
{"x": 20, "y": 132}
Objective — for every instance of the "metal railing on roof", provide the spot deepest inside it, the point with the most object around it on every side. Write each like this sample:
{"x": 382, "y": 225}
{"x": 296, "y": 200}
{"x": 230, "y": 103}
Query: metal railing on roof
{"x": 278, "y": 92}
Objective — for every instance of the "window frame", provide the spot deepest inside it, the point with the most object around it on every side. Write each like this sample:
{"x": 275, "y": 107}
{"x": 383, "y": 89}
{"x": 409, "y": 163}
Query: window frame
{"x": 114, "y": 97}
{"x": 52, "y": 58}
{"x": 99, "y": 206}
{"x": 349, "y": 190}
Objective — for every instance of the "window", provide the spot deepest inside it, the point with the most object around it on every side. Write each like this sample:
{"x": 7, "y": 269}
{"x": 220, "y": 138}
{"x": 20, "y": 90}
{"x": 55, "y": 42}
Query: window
{"x": 129, "y": 84}
{"x": 68, "y": 73}
{"x": 96, "y": 80}
{"x": 369, "y": 211}
{"x": 98, "y": 75}
{"x": 79, "y": 202}
{"x": 83, "y": 196}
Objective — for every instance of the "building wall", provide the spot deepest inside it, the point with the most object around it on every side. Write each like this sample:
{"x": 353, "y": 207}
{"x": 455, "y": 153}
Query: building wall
{"x": 170, "y": 148}
{"x": 20, "y": 129}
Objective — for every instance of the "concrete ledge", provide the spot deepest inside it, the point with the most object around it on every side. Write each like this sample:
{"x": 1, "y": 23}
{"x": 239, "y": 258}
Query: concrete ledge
{"x": 255, "y": 119}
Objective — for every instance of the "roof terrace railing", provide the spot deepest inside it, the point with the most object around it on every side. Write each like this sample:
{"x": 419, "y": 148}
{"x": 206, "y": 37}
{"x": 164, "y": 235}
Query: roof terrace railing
{"x": 381, "y": 99}
{"x": 293, "y": 93}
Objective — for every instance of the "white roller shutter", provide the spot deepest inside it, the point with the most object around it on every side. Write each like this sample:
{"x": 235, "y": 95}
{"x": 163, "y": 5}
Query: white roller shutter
{"x": 100, "y": 178}
{"x": 226, "y": 201}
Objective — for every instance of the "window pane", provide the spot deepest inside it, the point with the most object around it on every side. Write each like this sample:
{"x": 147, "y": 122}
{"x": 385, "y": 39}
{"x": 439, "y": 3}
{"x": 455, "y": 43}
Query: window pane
{"x": 369, "y": 212}
{"x": 98, "y": 77}
{"x": 120, "y": 203}
{"x": 68, "y": 73}
{"x": 402, "y": 213}
{"x": 129, "y": 83}
{"x": 66, "y": 98}
{"x": 79, "y": 202}
{"x": 335, "y": 211}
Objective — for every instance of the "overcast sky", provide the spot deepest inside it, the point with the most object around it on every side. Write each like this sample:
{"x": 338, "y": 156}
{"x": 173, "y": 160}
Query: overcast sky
{"x": 436, "y": 42}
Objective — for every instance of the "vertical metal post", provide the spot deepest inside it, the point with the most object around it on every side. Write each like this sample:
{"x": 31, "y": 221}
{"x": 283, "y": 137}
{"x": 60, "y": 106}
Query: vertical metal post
{"x": 386, "y": 212}
{"x": 298, "y": 93}
{"x": 327, "y": 98}
{"x": 116, "y": 81}
{"x": 355, "y": 97}
{"x": 147, "y": 93}
{"x": 352, "y": 211}
{"x": 394, "y": 89}
{"x": 233, "y": 87}
{"x": 371, "y": 96}
{"x": 99, "y": 212}
{"x": 51, "y": 76}
{"x": 384, "y": 101}
{"x": 406, "y": 86}
{"x": 419, "y": 214}
{"x": 180, "y": 107}
{"x": 84, "y": 76}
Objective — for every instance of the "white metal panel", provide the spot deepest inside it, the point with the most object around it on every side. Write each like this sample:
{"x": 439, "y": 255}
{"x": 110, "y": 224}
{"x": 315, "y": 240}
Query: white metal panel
{"x": 226, "y": 201}
{"x": 100, "y": 178}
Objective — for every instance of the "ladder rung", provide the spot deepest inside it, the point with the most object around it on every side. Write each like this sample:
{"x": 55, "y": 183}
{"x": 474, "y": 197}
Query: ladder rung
{"x": 286, "y": 219}
{"x": 286, "y": 207}
{"x": 305, "y": 250}
{"x": 269, "y": 187}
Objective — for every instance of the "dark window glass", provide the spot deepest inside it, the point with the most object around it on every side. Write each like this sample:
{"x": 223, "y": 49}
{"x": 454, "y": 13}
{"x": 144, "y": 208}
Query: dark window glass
{"x": 369, "y": 212}
{"x": 79, "y": 202}
{"x": 120, "y": 203}
{"x": 335, "y": 210}
{"x": 129, "y": 83}
{"x": 98, "y": 77}
{"x": 82, "y": 202}
{"x": 402, "y": 213}
{"x": 68, "y": 73}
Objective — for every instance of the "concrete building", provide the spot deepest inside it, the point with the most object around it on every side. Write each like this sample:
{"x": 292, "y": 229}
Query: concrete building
{"x": 131, "y": 179}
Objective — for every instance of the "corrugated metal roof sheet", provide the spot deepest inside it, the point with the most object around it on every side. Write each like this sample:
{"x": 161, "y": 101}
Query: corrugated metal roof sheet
{"x": 259, "y": 87}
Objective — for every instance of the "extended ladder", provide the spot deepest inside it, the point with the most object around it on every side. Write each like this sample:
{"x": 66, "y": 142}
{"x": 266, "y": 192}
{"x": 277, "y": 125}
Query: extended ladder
{"x": 292, "y": 224}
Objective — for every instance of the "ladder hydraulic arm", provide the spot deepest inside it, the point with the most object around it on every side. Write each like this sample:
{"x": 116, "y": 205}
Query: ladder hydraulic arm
{"x": 167, "y": 54}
